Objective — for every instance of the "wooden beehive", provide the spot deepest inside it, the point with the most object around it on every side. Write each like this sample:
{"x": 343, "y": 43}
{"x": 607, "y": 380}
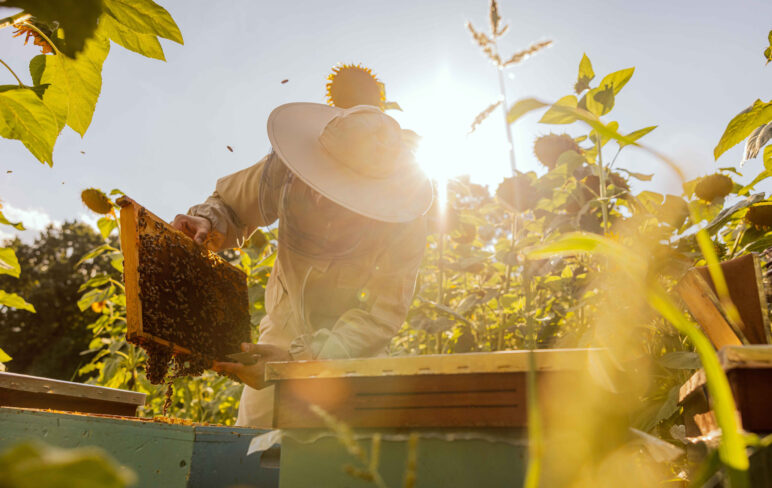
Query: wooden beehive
{"x": 457, "y": 390}
{"x": 749, "y": 371}
{"x": 746, "y": 290}
{"x": 179, "y": 295}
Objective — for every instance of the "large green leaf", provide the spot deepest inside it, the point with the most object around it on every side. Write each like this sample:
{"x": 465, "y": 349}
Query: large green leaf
{"x": 96, "y": 295}
{"x": 77, "y": 18}
{"x": 15, "y": 225}
{"x": 9, "y": 263}
{"x": 24, "y": 117}
{"x": 15, "y": 301}
{"x": 144, "y": 17}
{"x": 144, "y": 44}
{"x": 556, "y": 114}
{"x": 74, "y": 83}
{"x": 600, "y": 100}
{"x": 522, "y": 107}
{"x": 742, "y": 125}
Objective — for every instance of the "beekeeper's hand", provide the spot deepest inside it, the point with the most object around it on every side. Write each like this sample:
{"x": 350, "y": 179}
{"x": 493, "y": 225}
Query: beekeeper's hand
{"x": 197, "y": 228}
{"x": 254, "y": 375}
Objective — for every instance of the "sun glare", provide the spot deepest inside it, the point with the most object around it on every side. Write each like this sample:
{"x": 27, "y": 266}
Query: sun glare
{"x": 442, "y": 118}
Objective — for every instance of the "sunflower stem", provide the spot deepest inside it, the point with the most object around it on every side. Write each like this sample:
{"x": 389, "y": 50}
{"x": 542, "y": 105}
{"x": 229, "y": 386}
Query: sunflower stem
{"x": 504, "y": 105}
{"x": 13, "y": 19}
{"x": 602, "y": 185}
{"x": 12, "y": 72}
{"x": 53, "y": 46}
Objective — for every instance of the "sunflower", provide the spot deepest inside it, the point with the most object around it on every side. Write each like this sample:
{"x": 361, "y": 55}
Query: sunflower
{"x": 549, "y": 148}
{"x": 350, "y": 85}
{"x": 96, "y": 201}
{"x": 518, "y": 193}
{"x": 713, "y": 186}
{"x": 760, "y": 215}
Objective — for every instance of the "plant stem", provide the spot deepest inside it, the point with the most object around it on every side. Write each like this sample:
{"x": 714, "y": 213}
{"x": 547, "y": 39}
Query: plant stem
{"x": 504, "y": 105}
{"x": 13, "y": 19}
{"x": 441, "y": 269}
{"x": 14, "y": 74}
{"x": 53, "y": 46}
{"x": 602, "y": 184}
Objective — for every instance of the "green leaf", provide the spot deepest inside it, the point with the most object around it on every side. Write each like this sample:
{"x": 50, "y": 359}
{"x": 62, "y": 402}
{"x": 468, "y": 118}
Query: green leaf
{"x": 75, "y": 83}
{"x": 94, "y": 282}
{"x": 759, "y": 178}
{"x": 15, "y": 301}
{"x": 600, "y": 100}
{"x": 144, "y": 44}
{"x": 77, "y": 18}
{"x": 768, "y": 157}
{"x": 4, "y": 357}
{"x": 94, "y": 296}
{"x": 680, "y": 360}
{"x": 24, "y": 117}
{"x": 637, "y": 134}
{"x": 144, "y": 17}
{"x": 556, "y": 113}
{"x": 585, "y": 76}
{"x": 617, "y": 79}
{"x": 522, "y": 107}
{"x": 742, "y": 125}
{"x": 9, "y": 264}
{"x": 106, "y": 226}
{"x": 768, "y": 51}
{"x": 96, "y": 252}
{"x": 4, "y": 220}
{"x": 638, "y": 176}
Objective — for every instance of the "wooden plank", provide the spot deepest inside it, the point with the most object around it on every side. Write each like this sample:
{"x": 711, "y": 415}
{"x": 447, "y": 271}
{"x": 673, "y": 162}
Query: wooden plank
{"x": 48, "y": 386}
{"x": 704, "y": 306}
{"x": 746, "y": 290}
{"x": 433, "y": 364}
{"x": 203, "y": 312}
{"x": 469, "y": 400}
{"x": 52, "y": 401}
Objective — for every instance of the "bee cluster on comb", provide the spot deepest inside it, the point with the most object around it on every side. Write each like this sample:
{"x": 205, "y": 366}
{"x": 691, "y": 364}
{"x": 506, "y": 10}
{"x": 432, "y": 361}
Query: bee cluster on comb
{"x": 185, "y": 305}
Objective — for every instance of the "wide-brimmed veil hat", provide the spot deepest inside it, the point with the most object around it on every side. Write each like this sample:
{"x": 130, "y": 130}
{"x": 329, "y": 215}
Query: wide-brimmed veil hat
{"x": 358, "y": 157}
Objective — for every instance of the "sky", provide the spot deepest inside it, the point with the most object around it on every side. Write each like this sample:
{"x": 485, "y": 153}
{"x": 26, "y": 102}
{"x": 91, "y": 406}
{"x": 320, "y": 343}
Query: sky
{"x": 161, "y": 129}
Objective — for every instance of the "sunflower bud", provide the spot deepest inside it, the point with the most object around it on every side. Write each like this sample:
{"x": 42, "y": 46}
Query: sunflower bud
{"x": 96, "y": 201}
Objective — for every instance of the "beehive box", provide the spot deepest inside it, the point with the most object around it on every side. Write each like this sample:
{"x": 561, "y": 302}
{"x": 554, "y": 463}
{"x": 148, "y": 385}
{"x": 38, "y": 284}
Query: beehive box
{"x": 749, "y": 371}
{"x": 179, "y": 296}
{"x": 161, "y": 454}
{"x": 457, "y": 390}
{"x": 20, "y": 390}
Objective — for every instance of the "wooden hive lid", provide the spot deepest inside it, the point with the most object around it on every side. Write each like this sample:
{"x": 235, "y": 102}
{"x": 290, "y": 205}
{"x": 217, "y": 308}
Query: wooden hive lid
{"x": 433, "y": 364}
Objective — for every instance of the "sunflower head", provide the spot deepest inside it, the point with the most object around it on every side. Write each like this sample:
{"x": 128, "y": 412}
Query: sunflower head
{"x": 760, "y": 215}
{"x": 549, "y": 148}
{"x": 713, "y": 186}
{"x": 518, "y": 193}
{"x": 96, "y": 201}
{"x": 349, "y": 85}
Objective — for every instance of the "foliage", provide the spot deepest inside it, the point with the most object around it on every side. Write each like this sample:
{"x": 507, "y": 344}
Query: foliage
{"x": 9, "y": 265}
{"x": 37, "y": 465}
{"x": 755, "y": 121}
{"x": 49, "y": 342}
{"x": 478, "y": 292}
{"x": 66, "y": 83}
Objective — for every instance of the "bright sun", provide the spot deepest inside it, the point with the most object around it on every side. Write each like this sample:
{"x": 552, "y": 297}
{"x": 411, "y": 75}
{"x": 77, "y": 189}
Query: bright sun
{"x": 442, "y": 118}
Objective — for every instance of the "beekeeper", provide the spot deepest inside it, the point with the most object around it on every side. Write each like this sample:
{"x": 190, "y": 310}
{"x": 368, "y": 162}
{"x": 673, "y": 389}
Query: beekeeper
{"x": 349, "y": 200}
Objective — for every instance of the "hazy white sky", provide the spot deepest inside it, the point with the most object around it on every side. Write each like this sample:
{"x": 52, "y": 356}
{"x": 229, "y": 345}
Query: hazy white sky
{"x": 161, "y": 129}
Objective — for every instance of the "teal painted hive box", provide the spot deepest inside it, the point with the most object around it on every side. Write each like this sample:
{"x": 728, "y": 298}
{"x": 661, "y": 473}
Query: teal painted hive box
{"x": 161, "y": 454}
